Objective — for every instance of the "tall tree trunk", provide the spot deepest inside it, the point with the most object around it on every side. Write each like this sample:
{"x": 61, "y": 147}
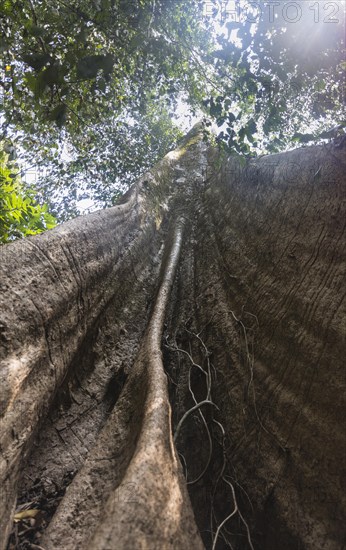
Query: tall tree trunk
{"x": 215, "y": 291}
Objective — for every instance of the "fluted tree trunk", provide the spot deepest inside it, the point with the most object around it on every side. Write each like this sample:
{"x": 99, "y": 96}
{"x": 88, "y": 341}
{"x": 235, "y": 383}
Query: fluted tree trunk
{"x": 172, "y": 368}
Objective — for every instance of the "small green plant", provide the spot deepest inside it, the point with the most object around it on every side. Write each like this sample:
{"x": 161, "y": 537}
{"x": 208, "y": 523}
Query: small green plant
{"x": 20, "y": 214}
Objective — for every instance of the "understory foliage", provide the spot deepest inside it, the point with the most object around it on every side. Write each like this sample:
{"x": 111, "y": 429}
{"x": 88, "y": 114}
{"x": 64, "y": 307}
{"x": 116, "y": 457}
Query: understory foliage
{"x": 20, "y": 215}
{"x": 92, "y": 88}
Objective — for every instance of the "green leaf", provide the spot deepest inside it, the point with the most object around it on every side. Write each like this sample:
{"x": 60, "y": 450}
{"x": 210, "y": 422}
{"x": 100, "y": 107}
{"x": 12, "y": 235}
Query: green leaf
{"x": 90, "y": 65}
{"x": 54, "y": 74}
{"x": 34, "y": 29}
{"x": 36, "y": 84}
{"x": 37, "y": 60}
{"x": 303, "y": 138}
{"x": 59, "y": 114}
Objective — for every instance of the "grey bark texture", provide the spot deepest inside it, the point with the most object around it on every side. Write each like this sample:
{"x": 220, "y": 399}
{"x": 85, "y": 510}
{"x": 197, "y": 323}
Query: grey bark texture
{"x": 212, "y": 300}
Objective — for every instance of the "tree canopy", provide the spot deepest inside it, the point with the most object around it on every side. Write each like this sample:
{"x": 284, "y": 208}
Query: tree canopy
{"x": 92, "y": 88}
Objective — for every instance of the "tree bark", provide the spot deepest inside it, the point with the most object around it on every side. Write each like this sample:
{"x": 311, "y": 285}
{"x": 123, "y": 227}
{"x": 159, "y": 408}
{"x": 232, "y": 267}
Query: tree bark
{"x": 213, "y": 294}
